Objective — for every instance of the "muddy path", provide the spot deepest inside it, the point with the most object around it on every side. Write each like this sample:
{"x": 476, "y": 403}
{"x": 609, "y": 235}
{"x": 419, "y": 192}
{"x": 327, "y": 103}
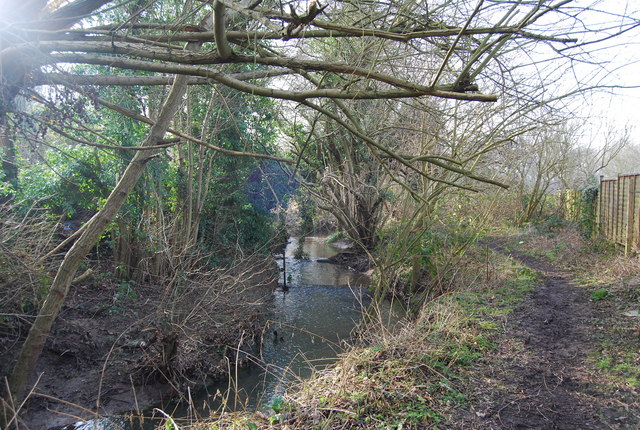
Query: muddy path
{"x": 540, "y": 377}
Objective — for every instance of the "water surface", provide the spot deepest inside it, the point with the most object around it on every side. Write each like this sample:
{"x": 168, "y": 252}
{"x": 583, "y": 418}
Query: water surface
{"x": 305, "y": 327}
{"x": 307, "y": 324}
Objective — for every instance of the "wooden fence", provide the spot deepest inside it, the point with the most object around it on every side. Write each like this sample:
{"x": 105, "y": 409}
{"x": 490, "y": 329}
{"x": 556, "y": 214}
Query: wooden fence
{"x": 618, "y": 214}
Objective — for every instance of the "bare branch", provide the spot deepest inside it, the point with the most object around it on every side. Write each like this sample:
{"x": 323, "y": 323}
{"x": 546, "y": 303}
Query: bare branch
{"x": 219, "y": 30}
{"x": 186, "y": 57}
{"x": 126, "y": 63}
{"x": 122, "y": 80}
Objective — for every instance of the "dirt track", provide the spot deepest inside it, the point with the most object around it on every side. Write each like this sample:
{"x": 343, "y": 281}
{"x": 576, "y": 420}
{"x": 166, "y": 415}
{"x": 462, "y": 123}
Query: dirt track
{"x": 540, "y": 378}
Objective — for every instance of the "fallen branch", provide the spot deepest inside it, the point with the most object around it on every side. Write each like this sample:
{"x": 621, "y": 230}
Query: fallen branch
{"x": 82, "y": 277}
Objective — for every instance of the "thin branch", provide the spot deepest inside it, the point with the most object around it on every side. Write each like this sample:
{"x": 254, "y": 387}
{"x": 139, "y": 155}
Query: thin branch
{"x": 100, "y": 145}
{"x": 406, "y": 163}
{"x": 434, "y": 82}
{"x": 116, "y": 80}
{"x": 329, "y": 30}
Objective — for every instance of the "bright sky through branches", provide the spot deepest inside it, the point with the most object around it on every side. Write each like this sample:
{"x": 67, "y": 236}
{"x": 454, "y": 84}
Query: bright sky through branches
{"x": 617, "y": 103}
{"x": 601, "y": 71}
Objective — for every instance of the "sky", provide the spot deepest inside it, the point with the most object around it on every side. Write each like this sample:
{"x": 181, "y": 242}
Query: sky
{"x": 617, "y": 107}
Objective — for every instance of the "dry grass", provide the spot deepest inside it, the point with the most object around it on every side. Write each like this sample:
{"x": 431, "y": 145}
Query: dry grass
{"x": 620, "y": 268}
{"x": 565, "y": 245}
{"x": 192, "y": 321}
{"x": 594, "y": 262}
{"x": 408, "y": 378}
{"x": 24, "y": 239}
{"x": 404, "y": 380}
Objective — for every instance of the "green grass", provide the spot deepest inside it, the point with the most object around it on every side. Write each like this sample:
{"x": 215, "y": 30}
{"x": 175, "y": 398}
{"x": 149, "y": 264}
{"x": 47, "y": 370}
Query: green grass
{"x": 600, "y": 294}
{"x": 488, "y": 325}
{"x": 618, "y": 361}
{"x": 493, "y": 302}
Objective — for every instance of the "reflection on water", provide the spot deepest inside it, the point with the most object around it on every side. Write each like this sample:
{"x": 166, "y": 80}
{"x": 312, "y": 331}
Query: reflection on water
{"x": 316, "y": 270}
{"x": 314, "y": 247}
{"x": 305, "y": 327}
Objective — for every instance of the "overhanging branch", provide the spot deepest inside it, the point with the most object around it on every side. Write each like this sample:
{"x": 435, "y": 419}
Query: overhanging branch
{"x": 144, "y": 119}
{"x": 408, "y": 92}
{"x": 122, "y": 80}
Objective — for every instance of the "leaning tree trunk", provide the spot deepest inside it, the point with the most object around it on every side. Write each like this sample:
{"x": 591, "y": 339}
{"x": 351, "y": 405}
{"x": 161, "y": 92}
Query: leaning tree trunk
{"x": 39, "y": 331}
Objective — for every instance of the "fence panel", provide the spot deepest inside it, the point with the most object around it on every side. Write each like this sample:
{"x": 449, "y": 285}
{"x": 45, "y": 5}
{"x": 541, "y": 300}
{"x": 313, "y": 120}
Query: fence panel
{"x": 618, "y": 214}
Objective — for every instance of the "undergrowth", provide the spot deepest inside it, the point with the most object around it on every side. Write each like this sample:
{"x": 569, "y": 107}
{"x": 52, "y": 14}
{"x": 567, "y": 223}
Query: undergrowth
{"x": 421, "y": 375}
{"x": 413, "y": 377}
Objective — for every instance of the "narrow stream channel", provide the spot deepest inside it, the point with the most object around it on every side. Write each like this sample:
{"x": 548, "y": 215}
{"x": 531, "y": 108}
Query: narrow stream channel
{"x": 305, "y": 328}
{"x": 307, "y": 323}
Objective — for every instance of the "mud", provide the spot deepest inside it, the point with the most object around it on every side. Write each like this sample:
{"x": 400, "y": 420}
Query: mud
{"x": 116, "y": 349}
{"x": 540, "y": 377}
{"x": 358, "y": 262}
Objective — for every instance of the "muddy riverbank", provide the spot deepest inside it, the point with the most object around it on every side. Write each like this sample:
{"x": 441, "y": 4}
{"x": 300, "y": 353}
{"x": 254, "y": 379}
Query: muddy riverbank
{"x": 118, "y": 346}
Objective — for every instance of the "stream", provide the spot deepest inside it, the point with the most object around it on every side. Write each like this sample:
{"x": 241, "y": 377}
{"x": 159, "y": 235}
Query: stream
{"x": 305, "y": 324}
{"x": 305, "y": 329}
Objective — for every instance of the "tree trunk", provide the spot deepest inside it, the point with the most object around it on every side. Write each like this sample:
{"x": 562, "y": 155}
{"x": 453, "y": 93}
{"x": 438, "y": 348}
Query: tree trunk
{"x": 38, "y": 333}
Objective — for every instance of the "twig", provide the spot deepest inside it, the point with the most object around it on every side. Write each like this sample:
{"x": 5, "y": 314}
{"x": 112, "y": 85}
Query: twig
{"x": 337, "y": 410}
{"x": 168, "y": 418}
{"x": 104, "y": 367}
{"x": 135, "y": 398}
{"x": 47, "y": 396}
{"x": 62, "y": 244}
{"x": 15, "y": 412}
{"x": 512, "y": 402}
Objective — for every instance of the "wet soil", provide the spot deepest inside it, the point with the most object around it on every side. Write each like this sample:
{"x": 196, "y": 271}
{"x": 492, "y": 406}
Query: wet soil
{"x": 540, "y": 377}
{"x": 350, "y": 259}
{"x": 118, "y": 347}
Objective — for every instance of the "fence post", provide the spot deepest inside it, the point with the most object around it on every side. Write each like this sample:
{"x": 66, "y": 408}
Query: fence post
{"x": 631, "y": 200}
{"x": 636, "y": 216}
{"x": 599, "y": 210}
{"x": 616, "y": 212}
